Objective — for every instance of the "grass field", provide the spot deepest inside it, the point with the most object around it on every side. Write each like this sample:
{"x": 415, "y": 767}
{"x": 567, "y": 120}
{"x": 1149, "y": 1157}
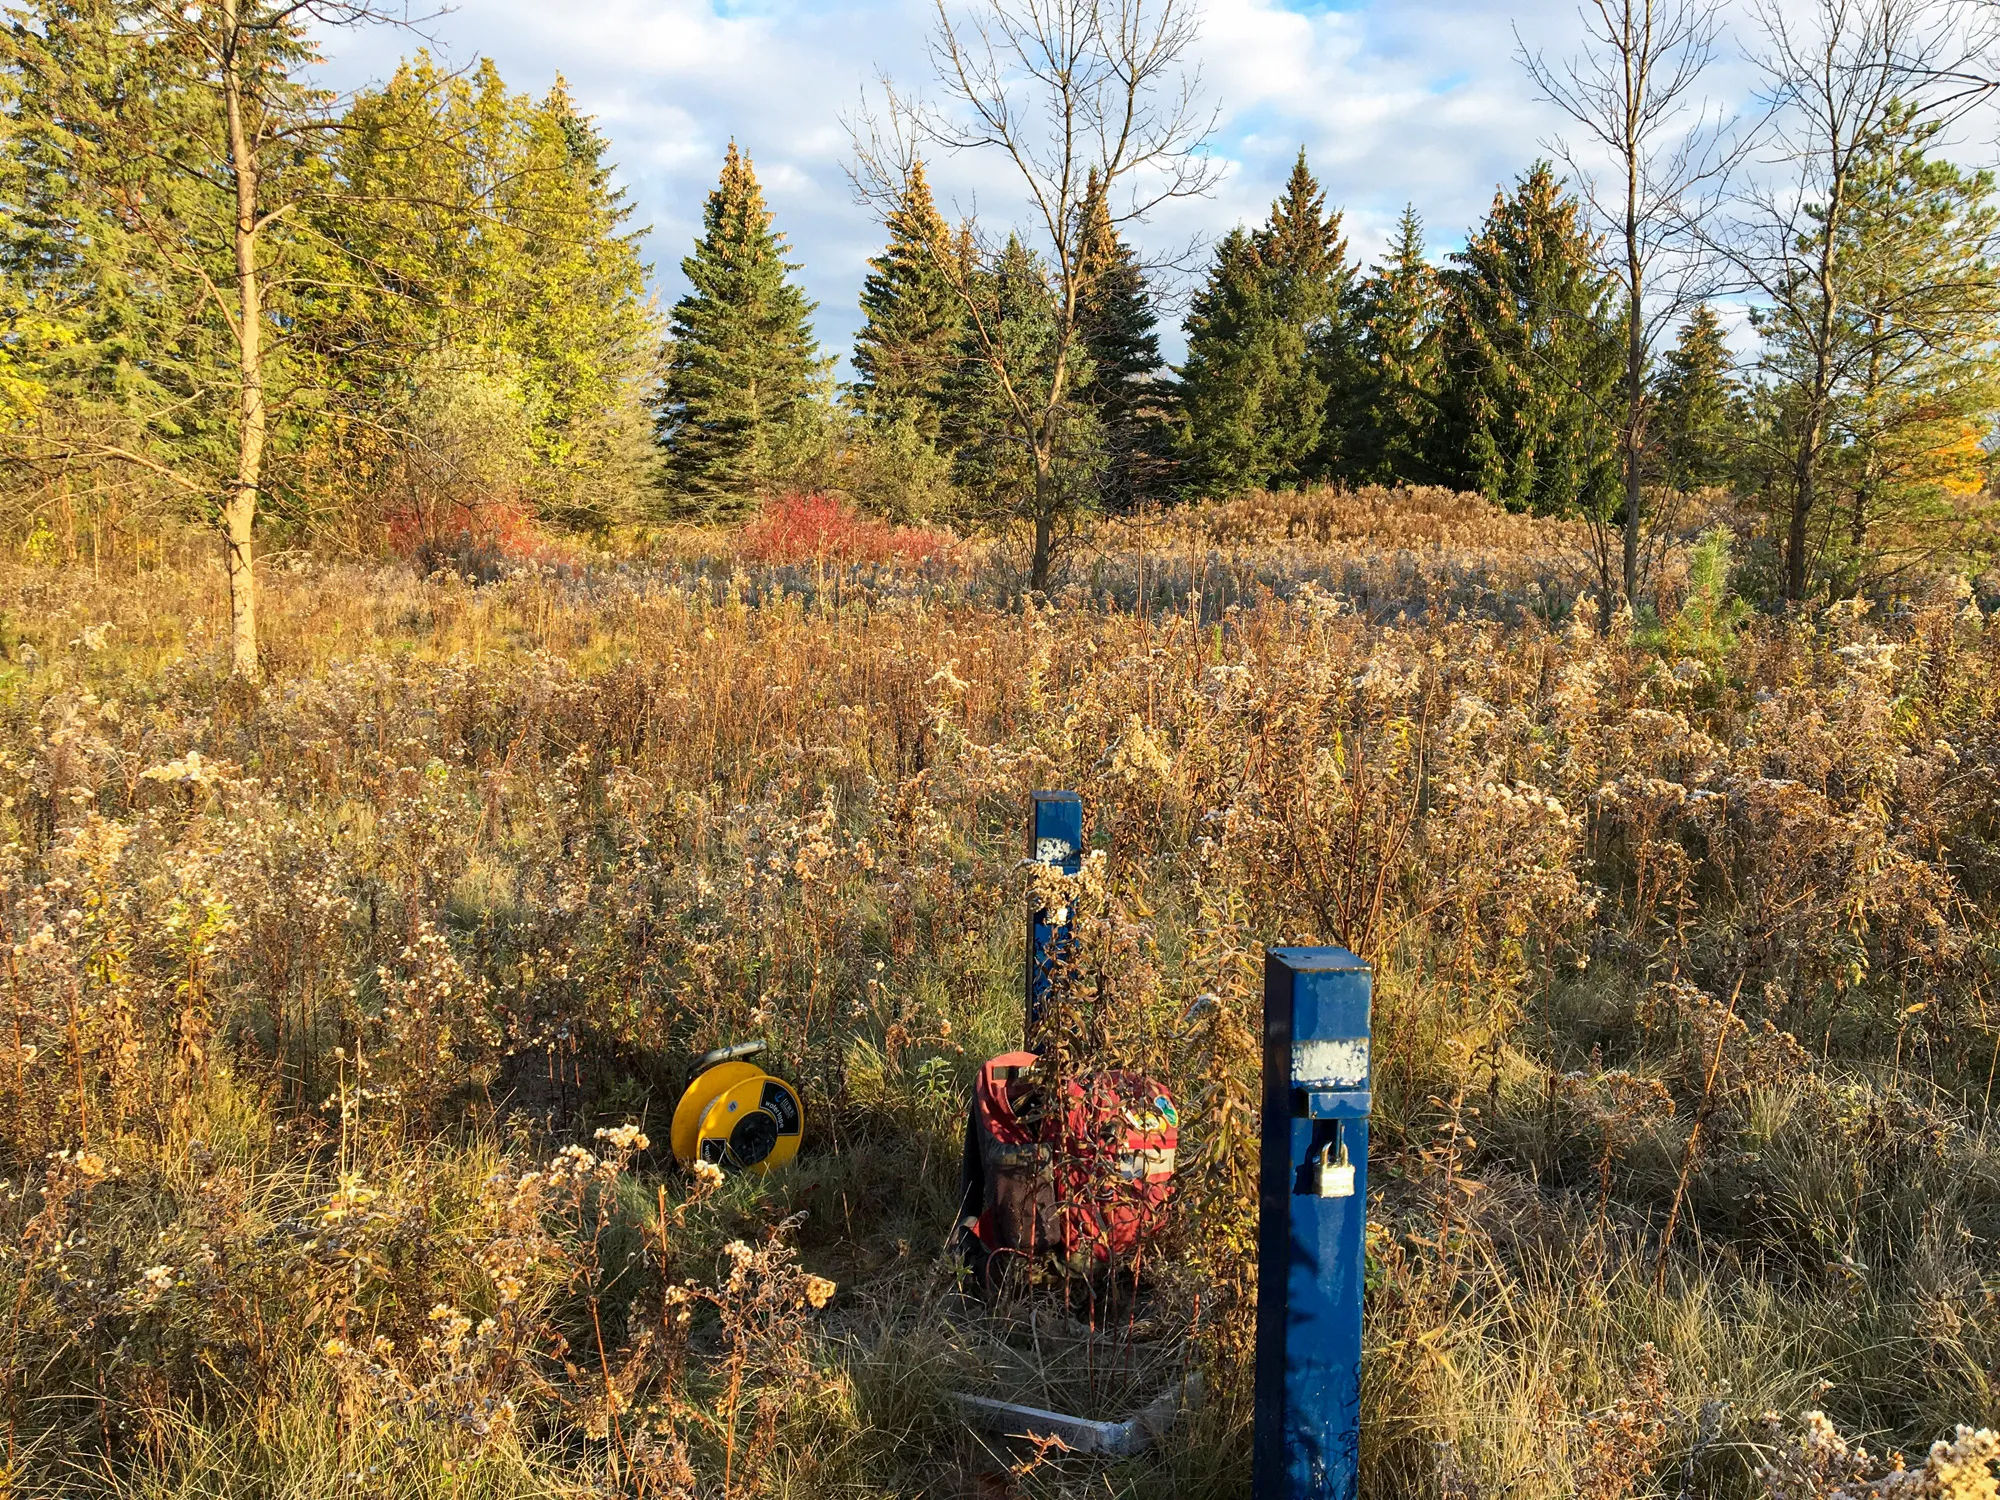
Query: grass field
{"x": 343, "y": 1015}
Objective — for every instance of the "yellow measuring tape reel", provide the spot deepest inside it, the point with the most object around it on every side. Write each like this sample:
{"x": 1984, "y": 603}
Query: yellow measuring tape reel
{"x": 736, "y": 1115}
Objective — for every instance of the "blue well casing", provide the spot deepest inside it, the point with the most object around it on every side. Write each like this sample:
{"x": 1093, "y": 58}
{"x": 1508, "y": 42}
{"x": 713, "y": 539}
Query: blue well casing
{"x": 1310, "y": 1246}
{"x": 1055, "y": 837}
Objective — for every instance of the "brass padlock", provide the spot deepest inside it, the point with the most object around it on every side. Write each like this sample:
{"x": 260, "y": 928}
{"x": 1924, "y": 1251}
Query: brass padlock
{"x": 1336, "y": 1177}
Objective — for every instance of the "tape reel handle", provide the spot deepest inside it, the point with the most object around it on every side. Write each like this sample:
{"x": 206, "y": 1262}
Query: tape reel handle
{"x": 734, "y": 1053}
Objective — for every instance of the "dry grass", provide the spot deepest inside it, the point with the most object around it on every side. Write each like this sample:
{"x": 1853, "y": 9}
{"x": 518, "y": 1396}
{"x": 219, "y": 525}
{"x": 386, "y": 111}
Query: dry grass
{"x": 319, "y": 996}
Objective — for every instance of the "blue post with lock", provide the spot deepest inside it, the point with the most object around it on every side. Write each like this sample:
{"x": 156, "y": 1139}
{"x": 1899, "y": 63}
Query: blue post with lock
{"x": 1055, "y": 837}
{"x": 1312, "y": 1225}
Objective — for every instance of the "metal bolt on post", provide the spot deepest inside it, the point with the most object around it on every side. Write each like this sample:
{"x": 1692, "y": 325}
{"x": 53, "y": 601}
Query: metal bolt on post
{"x": 1312, "y": 1225}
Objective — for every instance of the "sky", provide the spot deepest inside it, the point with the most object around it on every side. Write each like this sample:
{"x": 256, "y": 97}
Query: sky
{"x": 1395, "y": 101}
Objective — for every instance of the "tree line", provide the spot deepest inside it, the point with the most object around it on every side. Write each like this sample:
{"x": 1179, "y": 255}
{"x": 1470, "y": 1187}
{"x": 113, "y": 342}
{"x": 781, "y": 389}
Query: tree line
{"x": 1499, "y": 371}
{"x": 331, "y": 321}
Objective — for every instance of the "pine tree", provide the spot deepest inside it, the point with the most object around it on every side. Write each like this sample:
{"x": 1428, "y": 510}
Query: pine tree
{"x": 1920, "y": 384}
{"x": 1696, "y": 431}
{"x": 1268, "y": 343}
{"x": 102, "y": 325}
{"x": 1393, "y": 436}
{"x": 743, "y": 363}
{"x": 1533, "y": 357}
{"x": 913, "y": 318}
{"x": 1227, "y": 439}
{"x": 1116, "y": 322}
{"x": 582, "y": 331}
{"x": 1016, "y": 308}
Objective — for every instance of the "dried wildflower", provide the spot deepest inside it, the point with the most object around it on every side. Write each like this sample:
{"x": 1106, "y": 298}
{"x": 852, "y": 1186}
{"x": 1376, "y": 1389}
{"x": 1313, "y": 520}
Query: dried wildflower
{"x": 190, "y": 769}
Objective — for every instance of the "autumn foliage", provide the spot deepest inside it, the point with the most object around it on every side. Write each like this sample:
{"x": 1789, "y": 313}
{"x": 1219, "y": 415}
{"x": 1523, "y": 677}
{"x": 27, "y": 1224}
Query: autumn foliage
{"x": 340, "y": 1023}
{"x": 826, "y": 529}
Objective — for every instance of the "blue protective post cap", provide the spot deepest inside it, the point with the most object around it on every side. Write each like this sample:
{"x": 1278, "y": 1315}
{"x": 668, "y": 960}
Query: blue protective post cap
{"x": 1316, "y": 960}
{"x": 1055, "y": 837}
{"x": 1312, "y": 1225}
{"x": 1056, "y": 818}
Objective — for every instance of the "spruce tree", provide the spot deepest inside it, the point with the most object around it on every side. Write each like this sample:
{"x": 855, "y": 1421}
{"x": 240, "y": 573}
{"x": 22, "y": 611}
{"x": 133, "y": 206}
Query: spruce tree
{"x": 742, "y": 363}
{"x": 1305, "y": 255}
{"x": 1225, "y": 437}
{"x": 1394, "y": 432}
{"x": 912, "y": 315}
{"x": 582, "y": 331}
{"x": 1016, "y": 308}
{"x": 1696, "y": 426}
{"x": 1269, "y": 342}
{"x": 1533, "y": 353}
{"x": 1116, "y": 322}
{"x": 104, "y": 327}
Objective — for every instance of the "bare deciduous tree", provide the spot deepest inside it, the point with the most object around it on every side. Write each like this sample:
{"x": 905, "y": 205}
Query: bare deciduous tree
{"x": 1835, "y": 77}
{"x": 1071, "y": 93}
{"x": 1634, "y": 92}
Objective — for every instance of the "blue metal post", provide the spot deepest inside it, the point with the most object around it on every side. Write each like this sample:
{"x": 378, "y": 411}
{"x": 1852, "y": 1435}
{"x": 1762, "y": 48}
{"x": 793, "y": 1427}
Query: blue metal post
{"x": 1312, "y": 1225}
{"x": 1055, "y": 837}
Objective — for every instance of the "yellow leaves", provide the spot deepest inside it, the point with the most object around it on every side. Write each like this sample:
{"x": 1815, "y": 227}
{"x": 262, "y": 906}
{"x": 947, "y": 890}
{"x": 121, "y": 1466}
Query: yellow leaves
{"x": 22, "y": 391}
{"x": 1942, "y": 457}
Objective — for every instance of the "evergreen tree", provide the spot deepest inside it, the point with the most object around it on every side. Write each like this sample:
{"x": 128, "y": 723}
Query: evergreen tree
{"x": 1305, "y": 255}
{"x": 912, "y": 317}
{"x": 1393, "y": 433}
{"x": 406, "y": 322}
{"x": 1116, "y": 323}
{"x": 102, "y": 324}
{"x": 742, "y": 363}
{"x": 196, "y": 129}
{"x": 1533, "y": 357}
{"x": 1920, "y": 386}
{"x": 1015, "y": 305}
{"x": 1696, "y": 430}
{"x": 583, "y": 333}
{"x": 477, "y": 265}
{"x": 1268, "y": 342}
{"x": 443, "y": 251}
{"x": 1227, "y": 439}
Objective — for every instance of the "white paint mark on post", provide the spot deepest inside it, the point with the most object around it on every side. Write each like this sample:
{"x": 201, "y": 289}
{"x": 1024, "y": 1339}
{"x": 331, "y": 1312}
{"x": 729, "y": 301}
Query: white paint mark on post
{"x": 1330, "y": 1063}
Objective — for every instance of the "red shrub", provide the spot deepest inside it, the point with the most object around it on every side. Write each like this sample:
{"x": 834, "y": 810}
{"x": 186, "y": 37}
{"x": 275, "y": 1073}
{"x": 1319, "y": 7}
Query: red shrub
{"x": 821, "y": 528}
{"x": 484, "y": 541}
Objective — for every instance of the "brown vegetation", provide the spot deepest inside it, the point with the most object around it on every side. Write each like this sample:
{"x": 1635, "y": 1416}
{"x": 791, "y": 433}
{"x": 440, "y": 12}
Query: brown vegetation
{"x": 338, "y": 1011}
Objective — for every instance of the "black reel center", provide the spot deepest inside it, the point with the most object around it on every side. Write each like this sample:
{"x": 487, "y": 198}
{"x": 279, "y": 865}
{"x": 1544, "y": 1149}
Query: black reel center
{"x": 754, "y": 1138}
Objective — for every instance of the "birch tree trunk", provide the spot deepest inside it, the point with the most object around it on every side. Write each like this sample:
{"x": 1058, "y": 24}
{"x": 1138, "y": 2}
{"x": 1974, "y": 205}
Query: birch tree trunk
{"x": 239, "y": 511}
